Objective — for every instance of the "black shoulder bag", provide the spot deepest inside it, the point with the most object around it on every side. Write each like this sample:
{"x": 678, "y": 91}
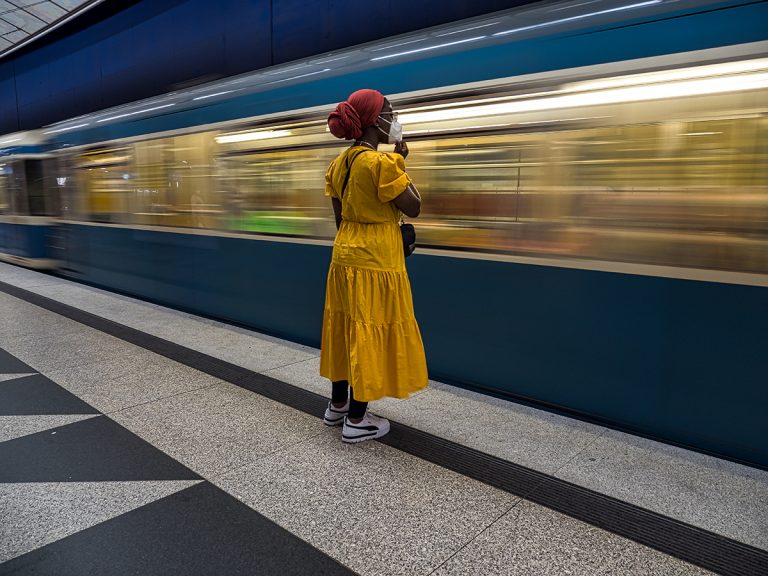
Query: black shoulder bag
{"x": 407, "y": 231}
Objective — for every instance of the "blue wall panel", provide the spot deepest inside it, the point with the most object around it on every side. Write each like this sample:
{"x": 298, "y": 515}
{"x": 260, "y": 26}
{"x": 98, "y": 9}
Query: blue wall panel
{"x": 151, "y": 47}
{"x": 246, "y": 33}
{"x": 25, "y": 240}
{"x": 146, "y": 49}
{"x": 9, "y": 120}
{"x": 336, "y": 24}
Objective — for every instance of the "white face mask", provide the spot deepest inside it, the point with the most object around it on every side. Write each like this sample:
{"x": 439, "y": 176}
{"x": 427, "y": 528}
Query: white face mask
{"x": 395, "y": 133}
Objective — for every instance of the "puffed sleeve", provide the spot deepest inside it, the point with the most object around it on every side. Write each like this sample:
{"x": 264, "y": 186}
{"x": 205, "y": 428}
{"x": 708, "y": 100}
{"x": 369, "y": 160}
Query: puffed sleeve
{"x": 330, "y": 189}
{"x": 392, "y": 177}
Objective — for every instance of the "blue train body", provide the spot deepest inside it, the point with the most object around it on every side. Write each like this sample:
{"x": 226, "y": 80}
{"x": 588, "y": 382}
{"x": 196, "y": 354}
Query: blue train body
{"x": 26, "y": 241}
{"x": 679, "y": 360}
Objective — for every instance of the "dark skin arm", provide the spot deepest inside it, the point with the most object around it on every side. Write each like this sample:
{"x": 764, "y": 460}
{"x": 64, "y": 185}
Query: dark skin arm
{"x": 409, "y": 202}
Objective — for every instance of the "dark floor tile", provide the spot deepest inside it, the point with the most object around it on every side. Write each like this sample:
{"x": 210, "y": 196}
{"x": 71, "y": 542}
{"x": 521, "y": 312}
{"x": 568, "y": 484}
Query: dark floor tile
{"x": 91, "y": 450}
{"x": 9, "y": 364}
{"x": 37, "y": 394}
{"x": 198, "y": 531}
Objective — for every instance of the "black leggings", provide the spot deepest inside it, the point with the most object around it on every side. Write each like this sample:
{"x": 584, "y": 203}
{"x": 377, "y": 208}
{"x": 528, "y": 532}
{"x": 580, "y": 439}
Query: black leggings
{"x": 340, "y": 391}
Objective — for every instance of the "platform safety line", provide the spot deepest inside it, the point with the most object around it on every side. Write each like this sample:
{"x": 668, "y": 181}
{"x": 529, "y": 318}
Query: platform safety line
{"x": 686, "y": 542}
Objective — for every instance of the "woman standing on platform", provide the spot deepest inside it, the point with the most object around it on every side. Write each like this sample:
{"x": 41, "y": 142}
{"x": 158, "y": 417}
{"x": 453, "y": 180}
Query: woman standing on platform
{"x": 371, "y": 344}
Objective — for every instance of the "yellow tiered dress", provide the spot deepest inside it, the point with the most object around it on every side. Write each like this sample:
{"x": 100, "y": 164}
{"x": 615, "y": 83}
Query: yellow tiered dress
{"x": 370, "y": 335}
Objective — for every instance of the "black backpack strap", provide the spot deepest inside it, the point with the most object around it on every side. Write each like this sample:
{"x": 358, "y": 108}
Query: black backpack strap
{"x": 349, "y": 171}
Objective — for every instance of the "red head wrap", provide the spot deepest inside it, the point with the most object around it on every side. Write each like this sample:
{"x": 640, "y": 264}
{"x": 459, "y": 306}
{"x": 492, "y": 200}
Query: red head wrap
{"x": 358, "y": 112}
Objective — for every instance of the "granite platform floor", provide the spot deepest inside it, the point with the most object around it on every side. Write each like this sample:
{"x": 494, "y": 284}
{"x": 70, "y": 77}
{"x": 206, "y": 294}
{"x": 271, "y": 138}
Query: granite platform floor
{"x": 115, "y": 460}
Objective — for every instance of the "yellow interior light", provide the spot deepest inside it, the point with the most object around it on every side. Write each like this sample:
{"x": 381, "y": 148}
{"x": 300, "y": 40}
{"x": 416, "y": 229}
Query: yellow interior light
{"x": 248, "y": 136}
{"x": 674, "y": 84}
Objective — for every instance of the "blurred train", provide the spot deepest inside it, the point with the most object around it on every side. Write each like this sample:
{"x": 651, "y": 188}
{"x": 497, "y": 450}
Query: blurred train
{"x": 594, "y": 233}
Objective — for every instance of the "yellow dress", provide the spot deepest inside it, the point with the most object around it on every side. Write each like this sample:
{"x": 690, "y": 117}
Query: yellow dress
{"x": 370, "y": 335}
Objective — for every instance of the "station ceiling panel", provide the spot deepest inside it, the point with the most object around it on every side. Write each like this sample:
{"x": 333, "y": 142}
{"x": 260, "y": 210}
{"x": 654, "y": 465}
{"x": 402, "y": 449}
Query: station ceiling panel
{"x": 21, "y": 20}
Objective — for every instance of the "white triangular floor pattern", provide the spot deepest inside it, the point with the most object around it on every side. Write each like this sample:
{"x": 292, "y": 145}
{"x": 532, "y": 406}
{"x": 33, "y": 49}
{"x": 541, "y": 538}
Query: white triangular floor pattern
{"x": 12, "y": 427}
{"x": 6, "y": 377}
{"x": 39, "y": 513}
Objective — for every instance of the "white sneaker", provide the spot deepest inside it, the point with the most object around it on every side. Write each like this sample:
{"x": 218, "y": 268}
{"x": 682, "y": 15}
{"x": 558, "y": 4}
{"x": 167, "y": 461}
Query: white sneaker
{"x": 370, "y": 427}
{"x": 335, "y": 416}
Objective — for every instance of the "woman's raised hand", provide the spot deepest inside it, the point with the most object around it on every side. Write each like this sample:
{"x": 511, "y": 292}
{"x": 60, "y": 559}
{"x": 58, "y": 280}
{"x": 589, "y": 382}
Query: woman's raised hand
{"x": 401, "y": 148}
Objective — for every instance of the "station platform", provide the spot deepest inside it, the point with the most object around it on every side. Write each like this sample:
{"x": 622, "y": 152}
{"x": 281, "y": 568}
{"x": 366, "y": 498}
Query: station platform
{"x": 137, "y": 439}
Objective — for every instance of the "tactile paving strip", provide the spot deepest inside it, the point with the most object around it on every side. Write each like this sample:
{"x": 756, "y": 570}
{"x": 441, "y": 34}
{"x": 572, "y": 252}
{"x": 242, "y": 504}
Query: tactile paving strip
{"x": 684, "y": 541}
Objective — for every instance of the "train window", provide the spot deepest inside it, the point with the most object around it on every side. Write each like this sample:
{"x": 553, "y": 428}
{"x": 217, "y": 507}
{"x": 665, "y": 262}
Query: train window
{"x": 100, "y": 175}
{"x": 38, "y": 189}
{"x": 681, "y": 193}
{"x": 13, "y": 182}
{"x": 5, "y": 195}
{"x": 63, "y": 188}
{"x": 173, "y": 182}
{"x": 681, "y": 184}
{"x": 25, "y": 188}
{"x": 278, "y": 192}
